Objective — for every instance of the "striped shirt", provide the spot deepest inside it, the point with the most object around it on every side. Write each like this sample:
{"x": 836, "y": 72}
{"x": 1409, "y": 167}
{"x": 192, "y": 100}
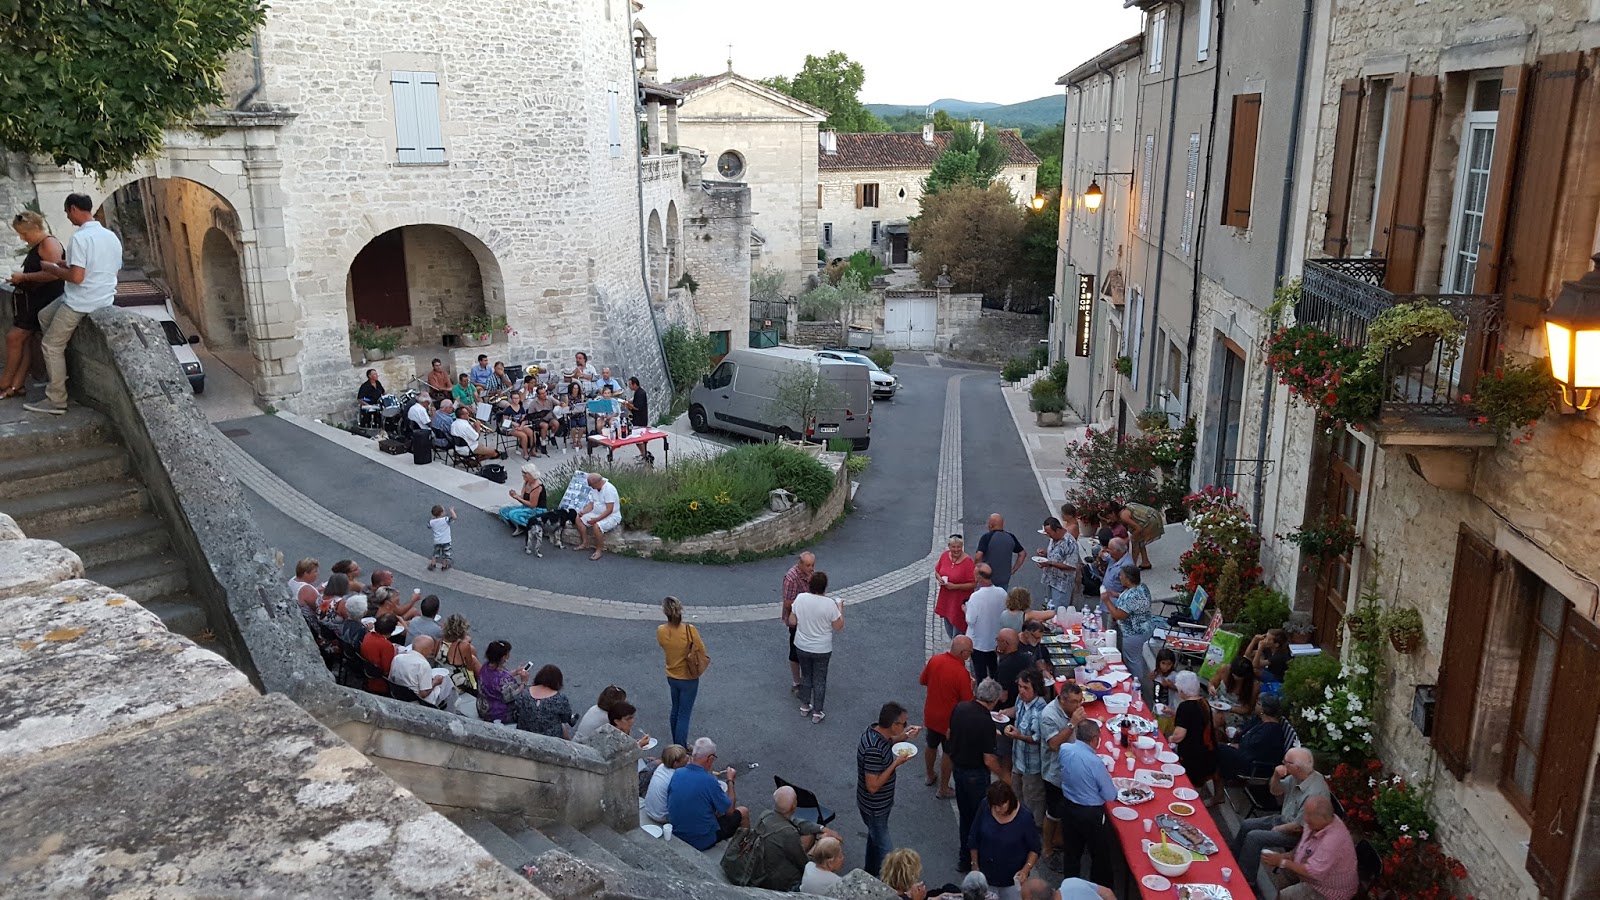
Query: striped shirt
{"x": 1026, "y": 758}
{"x": 872, "y": 757}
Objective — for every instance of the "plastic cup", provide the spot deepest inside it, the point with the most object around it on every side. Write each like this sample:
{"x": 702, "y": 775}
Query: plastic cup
{"x": 1227, "y": 874}
{"x": 1148, "y": 825}
{"x": 1130, "y": 763}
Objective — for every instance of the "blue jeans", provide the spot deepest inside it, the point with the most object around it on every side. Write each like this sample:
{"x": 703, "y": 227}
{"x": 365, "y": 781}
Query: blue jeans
{"x": 878, "y": 842}
{"x": 971, "y": 785}
{"x": 950, "y": 630}
{"x": 1059, "y": 597}
{"x": 683, "y": 693}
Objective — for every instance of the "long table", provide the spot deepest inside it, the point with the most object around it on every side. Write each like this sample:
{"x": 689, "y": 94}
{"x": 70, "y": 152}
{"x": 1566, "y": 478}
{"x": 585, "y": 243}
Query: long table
{"x": 1131, "y": 834}
{"x": 638, "y": 436}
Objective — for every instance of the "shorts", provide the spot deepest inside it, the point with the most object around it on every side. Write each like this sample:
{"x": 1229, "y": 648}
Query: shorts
{"x": 1055, "y": 802}
{"x": 441, "y": 551}
{"x": 794, "y": 655}
{"x": 608, "y": 524}
{"x": 727, "y": 824}
{"x": 936, "y": 739}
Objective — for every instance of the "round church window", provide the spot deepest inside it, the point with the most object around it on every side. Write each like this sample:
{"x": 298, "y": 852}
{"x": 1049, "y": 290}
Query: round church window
{"x": 730, "y": 164}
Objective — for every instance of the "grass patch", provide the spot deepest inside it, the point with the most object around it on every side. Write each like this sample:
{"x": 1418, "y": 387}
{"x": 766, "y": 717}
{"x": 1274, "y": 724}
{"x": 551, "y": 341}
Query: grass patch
{"x": 700, "y": 496}
{"x": 715, "y": 558}
{"x": 856, "y": 463}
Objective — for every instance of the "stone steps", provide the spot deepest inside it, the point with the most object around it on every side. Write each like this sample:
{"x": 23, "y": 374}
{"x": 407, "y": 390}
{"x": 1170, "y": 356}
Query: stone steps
{"x": 144, "y": 578}
{"x": 32, "y": 435}
{"x": 43, "y": 514}
{"x": 25, "y": 475}
{"x": 114, "y": 540}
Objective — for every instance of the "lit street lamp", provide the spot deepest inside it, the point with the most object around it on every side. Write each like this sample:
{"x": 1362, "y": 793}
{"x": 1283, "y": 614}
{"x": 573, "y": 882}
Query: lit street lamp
{"x": 1037, "y": 202}
{"x": 1572, "y": 328}
{"x": 1094, "y": 196}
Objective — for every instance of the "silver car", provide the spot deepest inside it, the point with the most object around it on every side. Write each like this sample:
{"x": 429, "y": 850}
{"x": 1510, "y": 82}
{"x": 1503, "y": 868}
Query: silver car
{"x": 884, "y": 385}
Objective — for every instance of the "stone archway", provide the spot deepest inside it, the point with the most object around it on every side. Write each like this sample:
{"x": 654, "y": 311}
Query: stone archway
{"x": 425, "y": 279}
{"x": 656, "y": 257}
{"x": 674, "y": 245}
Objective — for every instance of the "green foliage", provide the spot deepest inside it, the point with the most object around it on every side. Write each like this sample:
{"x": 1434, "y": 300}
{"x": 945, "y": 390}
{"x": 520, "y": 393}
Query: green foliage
{"x": 1046, "y": 143}
{"x": 802, "y": 392}
{"x": 1151, "y": 418}
{"x": 1044, "y": 387}
{"x": 952, "y": 167}
{"x": 1400, "y": 325}
{"x": 1402, "y": 810}
{"x": 1324, "y": 536}
{"x": 1264, "y": 609}
{"x": 966, "y": 160}
{"x": 1124, "y": 366}
{"x": 1050, "y": 402}
{"x": 832, "y": 82}
{"x": 686, "y": 280}
{"x": 856, "y": 463}
{"x": 977, "y": 232}
{"x": 1228, "y": 597}
{"x": 1511, "y": 399}
{"x": 1304, "y": 686}
{"x": 1040, "y": 354}
{"x": 1036, "y": 261}
{"x": 1014, "y": 370}
{"x": 839, "y": 445}
{"x": 864, "y": 266}
{"x": 368, "y": 336}
{"x": 767, "y": 285}
{"x": 1058, "y": 374}
{"x": 98, "y": 84}
{"x": 1325, "y": 373}
{"x": 841, "y": 300}
{"x": 1401, "y": 624}
{"x": 881, "y": 358}
{"x": 688, "y": 356}
{"x": 699, "y": 496}
{"x": 481, "y": 325}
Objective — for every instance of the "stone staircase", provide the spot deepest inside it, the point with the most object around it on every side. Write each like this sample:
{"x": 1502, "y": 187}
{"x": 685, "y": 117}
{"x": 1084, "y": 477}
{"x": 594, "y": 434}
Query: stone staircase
{"x": 598, "y": 862}
{"x": 67, "y": 479}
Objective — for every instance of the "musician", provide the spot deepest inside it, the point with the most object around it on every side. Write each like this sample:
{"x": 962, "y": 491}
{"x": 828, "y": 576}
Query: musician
{"x": 370, "y": 397}
{"x": 606, "y": 381}
{"x": 541, "y": 415}
{"x": 501, "y": 382}
{"x": 465, "y": 393}
{"x": 482, "y": 376}
{"x": 420, "y": 415}
{"x": 439, "y": 381}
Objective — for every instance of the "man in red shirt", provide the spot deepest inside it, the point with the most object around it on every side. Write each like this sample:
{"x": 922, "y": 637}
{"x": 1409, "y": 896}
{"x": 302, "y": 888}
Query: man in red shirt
{"x": 948, "y": 683}
{"x": 377, "y": 649}
{"x": 1324, "y": 860}
{"x": 796, "y": 580}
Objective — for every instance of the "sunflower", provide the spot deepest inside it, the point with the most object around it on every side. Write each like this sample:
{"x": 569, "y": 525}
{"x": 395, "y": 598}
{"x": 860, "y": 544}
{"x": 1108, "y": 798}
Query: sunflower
{"x": 694, "y": 504}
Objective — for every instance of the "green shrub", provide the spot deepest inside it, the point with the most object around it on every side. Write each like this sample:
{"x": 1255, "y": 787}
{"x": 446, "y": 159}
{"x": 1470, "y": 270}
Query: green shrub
{"x": 1264, "y": 609}
{"x": 688, "y": 356}
{"x": 840, "y": 445}
{"x": 1040, "y": 357}
{"x": 857, "y": 463}
{"x": 1058, "y": 374}
{"x": 1052, "y": 402}
{"x": 1303, "y": 685}
{"x": 865, "y": 266}
{"x": 1044, "y": 387}
{"x": 883, "y": 359}
{"x": 1014, "y": 370}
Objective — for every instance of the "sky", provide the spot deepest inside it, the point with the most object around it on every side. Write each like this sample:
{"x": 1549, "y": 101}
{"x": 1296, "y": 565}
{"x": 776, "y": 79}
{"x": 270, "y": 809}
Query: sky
{"x": 914, "y": 51}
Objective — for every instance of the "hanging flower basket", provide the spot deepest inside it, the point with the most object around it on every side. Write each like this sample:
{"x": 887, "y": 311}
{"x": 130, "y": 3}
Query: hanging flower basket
{"x": 1404, "y": 627}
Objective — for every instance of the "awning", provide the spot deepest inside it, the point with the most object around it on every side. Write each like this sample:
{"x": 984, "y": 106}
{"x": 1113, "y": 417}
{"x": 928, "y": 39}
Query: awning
{"x": 898, "y": 228}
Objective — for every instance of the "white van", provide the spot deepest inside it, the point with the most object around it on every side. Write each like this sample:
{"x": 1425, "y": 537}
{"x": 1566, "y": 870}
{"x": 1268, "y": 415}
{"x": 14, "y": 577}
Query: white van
{"x": 740, "y": 396}
{"x": 148, "y": 299}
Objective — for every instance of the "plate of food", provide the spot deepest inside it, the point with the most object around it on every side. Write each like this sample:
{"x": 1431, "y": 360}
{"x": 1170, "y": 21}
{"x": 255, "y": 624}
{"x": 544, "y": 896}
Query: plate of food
{"x": 1136, "y": 724}
{"x": 1124, "y": 813}
{"x": 1041, "y": 559}
{"x": 1156, "y": 882}
{"x": 999, "y": 718}
{"x": 1184, "y": 793}
{"x": 1221, "y": 705}
{"x": 1173, "y": 769}
{"x": 1153, "y": 778}
{"x": 1186, "y": 835}
{"x": 1180, "y": 808}
{"x": 1132, "y": 792}
{"x": 1097, "y": 722}
{"x": 904, "y": 749}
{"x": 649, "y": 744}
{"x": 1203, "y": 892}
{"x": 1167, "y": 756}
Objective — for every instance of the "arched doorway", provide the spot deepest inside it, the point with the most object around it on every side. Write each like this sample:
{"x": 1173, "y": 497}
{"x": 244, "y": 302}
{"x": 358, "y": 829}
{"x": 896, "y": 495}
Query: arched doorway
{"x": 422, "y": 279}
{"x": 674, "y": 245}
{"x": 656, "y": 257}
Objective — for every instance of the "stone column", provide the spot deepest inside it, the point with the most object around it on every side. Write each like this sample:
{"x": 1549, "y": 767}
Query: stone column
{"x": 672, "y": 125}
{"x": 269, "y": 298}
{"x": 652, "y": 126}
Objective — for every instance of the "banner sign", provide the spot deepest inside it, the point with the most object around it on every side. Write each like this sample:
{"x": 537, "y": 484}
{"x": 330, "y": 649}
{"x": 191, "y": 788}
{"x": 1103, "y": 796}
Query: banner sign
{"x": 1085, "y": 311}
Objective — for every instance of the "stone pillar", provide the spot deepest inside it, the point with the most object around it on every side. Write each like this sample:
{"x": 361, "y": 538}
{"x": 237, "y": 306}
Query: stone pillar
{"x": 672, "y": 125}
{"x": 269, "y": 298}
{"x": 652, "y": 126}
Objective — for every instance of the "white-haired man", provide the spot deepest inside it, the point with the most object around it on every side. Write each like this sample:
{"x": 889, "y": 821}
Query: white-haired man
{"x": 701, "y": 812}
{"x": 1296, "y": 781}
{"x": 601, "y": 514}
{"x": 353, "y": 630}
{"x": 1324, "y": 859}
{"x": 413, "y": 668}
{"x": 782, "y": 842}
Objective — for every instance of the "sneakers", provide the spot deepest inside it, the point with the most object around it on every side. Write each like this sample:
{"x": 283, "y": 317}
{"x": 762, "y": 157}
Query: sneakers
{"x": 45, "y": 406}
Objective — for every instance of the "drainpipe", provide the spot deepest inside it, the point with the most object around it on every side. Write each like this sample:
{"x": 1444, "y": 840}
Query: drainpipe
{"x": 257, "y": 79}
{"x": 1203, "y": 187}
{"x": 1166, "y": 196}
{"x": 638, "y": 181}
{"x": 1100, "y": 239}
{"x": 1285, "y": 209}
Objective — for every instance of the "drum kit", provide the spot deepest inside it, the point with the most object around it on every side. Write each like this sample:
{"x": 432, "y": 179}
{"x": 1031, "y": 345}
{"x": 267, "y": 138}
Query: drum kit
{"x": 394, "y": 409}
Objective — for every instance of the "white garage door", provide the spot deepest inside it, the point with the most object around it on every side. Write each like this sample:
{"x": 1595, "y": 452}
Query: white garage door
{"x": 909, "y": 322}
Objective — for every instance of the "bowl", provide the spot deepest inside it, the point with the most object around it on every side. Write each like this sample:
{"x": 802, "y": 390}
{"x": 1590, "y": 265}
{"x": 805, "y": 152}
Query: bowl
{"x": 1116, "y": 704}
{"x": 1171, "y": 870}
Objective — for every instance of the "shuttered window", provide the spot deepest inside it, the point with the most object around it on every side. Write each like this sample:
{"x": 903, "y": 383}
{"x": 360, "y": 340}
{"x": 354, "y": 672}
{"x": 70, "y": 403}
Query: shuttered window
{"x": 1546, "y": 144}
{"x": 1336, "y": 235}
{"x": 1411, "y": 184}
{"x": 1568, "y": 754}
{"x": 1471, "y": 594}
{"x": 1189, "y": 185}
{"x": 1394, "y": 123}
{"x": 1241, "y": 178}
{"x": 1158, "y": 40}
{"x": 417, "y": 136}
{"x": 1146, "y": 169}
{"x": 1202, "y": 46}
{"x": 614, "y": 118}
{"x": 1508, "y": 131}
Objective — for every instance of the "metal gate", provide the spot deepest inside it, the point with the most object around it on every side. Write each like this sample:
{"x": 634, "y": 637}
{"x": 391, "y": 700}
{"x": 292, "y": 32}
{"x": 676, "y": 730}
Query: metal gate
{"x": 767, "y": 319}
{"x": 910, "y": 321}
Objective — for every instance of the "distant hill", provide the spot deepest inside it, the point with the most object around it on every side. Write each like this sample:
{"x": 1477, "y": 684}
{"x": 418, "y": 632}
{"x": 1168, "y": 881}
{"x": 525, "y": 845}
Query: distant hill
{"x": 1042, "y": 111}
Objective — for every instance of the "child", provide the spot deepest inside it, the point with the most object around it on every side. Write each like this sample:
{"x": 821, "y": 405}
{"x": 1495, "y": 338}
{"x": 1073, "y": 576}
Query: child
{"x": 440, "y": 525}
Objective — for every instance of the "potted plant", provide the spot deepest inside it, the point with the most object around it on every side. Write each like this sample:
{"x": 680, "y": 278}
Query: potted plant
{"x": 1512, "y": 398}
{"x": 1124, "y": 366}
{"x": 1152, "y": 419}
{"x": 1324, "y": 372}
{"x": 1048, "y": 406}
{"x": 1014, "y": 370}
{"x": 1324, "y": 537}
{"x": 1299, "y": 628}
{"x": 375, "y": 343}
{"x": 479, "y": 330}
{"x": 1403, "y": 625}
{"x": 1408, "y": 333}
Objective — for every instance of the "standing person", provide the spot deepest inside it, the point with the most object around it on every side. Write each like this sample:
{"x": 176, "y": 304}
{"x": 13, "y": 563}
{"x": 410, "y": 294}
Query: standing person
{"x": 983, "y": 611}
{"x": 1086, "y": 788}
{"x": 439, "y": 525}
{"x": 1145, "y": 524}
{"x": 34, "y": 289}
{"x": 1115, "y": 557}
{"x": 956, "y": 583}
{"x": 603, "y": 513}
{"x": 945, "y": 676}
{"x": 876, "y": 765}
{"x": 638, "y": 407}
{"x": 1194, "y": 736}
{"x": 1130, "y": 608}
{"x": 1001, "y": 550}
{"x": 972, "y": 755}
{"x": 1027, "y": 756}
{"x": 1004, "y": 844}
{"x": 815, "y": 617}
{"x": 679, "y": 642}
{"x": 90, "y": 274}
{"x": 1063, "y": 557}
{"x": 795, "y": 582}
{"x": 1056, "y": 724}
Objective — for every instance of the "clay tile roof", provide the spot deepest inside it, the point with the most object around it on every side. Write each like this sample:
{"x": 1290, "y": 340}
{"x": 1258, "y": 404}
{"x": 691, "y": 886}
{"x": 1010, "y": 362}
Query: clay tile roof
{"x": 689, "y": 85}
{"x": 906, "y": 150}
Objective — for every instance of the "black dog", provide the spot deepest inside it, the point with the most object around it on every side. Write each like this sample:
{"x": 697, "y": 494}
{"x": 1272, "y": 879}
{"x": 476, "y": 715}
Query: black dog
{"x": 549, "y": 525}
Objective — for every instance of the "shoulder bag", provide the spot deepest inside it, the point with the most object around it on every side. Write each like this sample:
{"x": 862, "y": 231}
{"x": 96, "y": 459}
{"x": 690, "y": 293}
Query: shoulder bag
{"x": 695, "y": 658}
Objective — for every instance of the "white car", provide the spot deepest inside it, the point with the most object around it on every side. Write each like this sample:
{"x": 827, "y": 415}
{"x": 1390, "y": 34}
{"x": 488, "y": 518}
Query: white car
{"x": 884, "y": 385}
{"x": 148, "y": 300}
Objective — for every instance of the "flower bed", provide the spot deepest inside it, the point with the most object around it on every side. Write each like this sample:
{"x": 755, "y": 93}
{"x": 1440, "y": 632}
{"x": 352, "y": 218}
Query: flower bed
{"x": 1222, "y": 534}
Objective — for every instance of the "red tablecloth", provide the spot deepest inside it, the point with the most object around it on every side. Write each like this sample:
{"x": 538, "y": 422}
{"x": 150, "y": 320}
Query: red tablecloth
{"x": 638, "y": 436}
{"x": 1131, "y": 834}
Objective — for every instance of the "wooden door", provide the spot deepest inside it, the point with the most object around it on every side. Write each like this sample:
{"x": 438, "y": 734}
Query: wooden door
{"x": 1567, "y": 755}
{"x": 1341, "y": 496}
{"x": 378, "y": 282}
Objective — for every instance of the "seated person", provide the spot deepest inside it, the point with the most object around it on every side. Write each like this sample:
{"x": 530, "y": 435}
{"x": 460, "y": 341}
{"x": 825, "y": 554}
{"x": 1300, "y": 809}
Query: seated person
{"x": 370, "y": 397}
{"x": 514, "y": 422}
{"x": 822, "y": 869}
{"x": 500, "y": 382}
{"x": 412, "y": 668}
{"x": 601, "y": 514}
{"x": 541, "y": 416}
{"x": 1269, "y": 653}
{"x": 421, "y": 412}
{"x": 702, "y": 814}
{"x": 605, "y": 409}
{"x": 425, "y": 620}
{"x": 444, "y": 417}
{"x": 467, "y": 429}
{"x": 527, "y": 503}
{"x": 439, "y": 381}
{"x": 481, "y": 375}
{"x": 387, "y": 600}
{"x": 351, "y": 570}
{"x": 600, "y": 712}
{"x": 353, "y": 609}
{"x": 577, "y": 415}
{"x": 1259, "y": 747}
{"x": 378, "y": 649}
{"x": 606, "y": 381}
{"x": 620, "y": 716}
{"x": 673, "y": 758}
{"x": 782, "y": 843}
{"x": 465, "y": 393}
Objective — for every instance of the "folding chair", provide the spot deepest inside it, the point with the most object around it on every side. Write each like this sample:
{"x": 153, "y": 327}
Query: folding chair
{"x": 441, "y": 444}
{"x": 461, "y": 455}
{"x": 403, "y": 694}
{"x": 806, "y": 806}
{"x": 1258, "y": 790}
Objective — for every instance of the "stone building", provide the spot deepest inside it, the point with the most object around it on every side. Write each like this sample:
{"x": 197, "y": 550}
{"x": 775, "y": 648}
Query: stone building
{"x": 403, "y": 167}
{"x": 870, "y": 185}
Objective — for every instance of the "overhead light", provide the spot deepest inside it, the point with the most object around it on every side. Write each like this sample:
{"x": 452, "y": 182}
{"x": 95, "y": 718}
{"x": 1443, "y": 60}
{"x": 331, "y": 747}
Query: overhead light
{"x": 1572, "y": 328}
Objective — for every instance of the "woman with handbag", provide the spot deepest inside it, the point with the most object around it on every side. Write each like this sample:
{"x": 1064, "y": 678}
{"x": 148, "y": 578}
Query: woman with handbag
{"x": 686, "y": 661}
{"x": 32, "y": 290}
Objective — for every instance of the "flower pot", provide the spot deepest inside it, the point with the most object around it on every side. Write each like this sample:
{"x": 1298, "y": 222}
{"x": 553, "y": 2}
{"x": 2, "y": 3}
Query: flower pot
{"x": 1404, "y": 643}
{"x": 477, "y": 340}
{"x": 1360, "y": 628}
{"x": 374, "y": 354}
{"x": 1415, "y": 354}
{"x": 1048, "y": 419}
{"x": 1300, "y": 637}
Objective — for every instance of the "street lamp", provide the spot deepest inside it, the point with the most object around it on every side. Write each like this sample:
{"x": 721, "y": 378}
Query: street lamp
{"x": 1572, "y": 328}
{"x": 1037, "y": 202}
{"x": 1094, "y": 196}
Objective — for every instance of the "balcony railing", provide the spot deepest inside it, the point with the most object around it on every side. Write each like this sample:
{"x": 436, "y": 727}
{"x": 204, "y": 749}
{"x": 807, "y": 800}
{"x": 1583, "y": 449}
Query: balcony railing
{"x": 1343, "y": 296}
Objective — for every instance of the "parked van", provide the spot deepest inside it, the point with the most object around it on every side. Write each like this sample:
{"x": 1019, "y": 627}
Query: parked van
{"x": 741, "y": 396}
{"x": 148, "y": 299}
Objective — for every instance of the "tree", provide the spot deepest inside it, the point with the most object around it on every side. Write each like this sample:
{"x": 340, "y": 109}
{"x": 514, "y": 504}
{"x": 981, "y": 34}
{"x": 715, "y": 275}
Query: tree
{"x": 832, "y": 82}
{"x": 801, "y": 393}
{"x": 967, "y": 159}
{"x": 943, "y": 121}
{"x": 975, "y": 231}
{"x": 844, "y": 299}
{"x": 98, "y": 84}
{"x": 1046, "y": 144}
{"x": 1036, "y": 264}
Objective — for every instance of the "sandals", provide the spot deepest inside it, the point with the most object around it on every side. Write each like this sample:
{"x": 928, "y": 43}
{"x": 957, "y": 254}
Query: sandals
{"x": 8, "y": 393}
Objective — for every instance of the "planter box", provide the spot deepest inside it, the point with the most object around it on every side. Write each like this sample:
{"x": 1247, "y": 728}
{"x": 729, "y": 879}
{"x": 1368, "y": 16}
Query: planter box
{"x": 1048, "y": 419}
{"x": 377, "y": 355}
{"x": 477, "y": 340}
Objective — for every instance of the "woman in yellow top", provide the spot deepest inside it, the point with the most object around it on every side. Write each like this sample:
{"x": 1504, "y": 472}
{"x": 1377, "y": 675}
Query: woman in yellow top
{"x": 1145, "y": 524}
{"x": 677, "y": 640}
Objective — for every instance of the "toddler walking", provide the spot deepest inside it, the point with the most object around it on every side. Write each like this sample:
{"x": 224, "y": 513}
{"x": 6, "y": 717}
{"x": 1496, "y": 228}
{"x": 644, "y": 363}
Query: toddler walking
{"x": 440, "y": 526}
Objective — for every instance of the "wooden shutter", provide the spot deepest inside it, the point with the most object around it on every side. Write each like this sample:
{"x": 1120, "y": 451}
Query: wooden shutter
{"x": 1537, "y": 191}
{"x": 1241, "y": 178}
{"x": 417, "y": 135}
{"x": 1566, "y": 756}
{"x": 1335, "y": 236}
{"x": 614, "y": 118}
{"x": 1471, "y": 595}
{"x": 1411, "y": 189}
{"x": 1507, "y": 131}
{"x": 860, "y": 188}
{"x": 1394, "y": 126}
{"x": 378, "y": 284}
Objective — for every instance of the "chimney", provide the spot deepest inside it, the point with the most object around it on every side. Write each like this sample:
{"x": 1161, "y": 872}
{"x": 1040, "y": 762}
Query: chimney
{"x": 829, "y": 142}
{"x": 927, "y": 133}
{"x": 977, "y": 128}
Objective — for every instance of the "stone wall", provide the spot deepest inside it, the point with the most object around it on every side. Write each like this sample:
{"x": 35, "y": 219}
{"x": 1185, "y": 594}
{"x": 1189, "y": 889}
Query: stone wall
{"x": 768, "y": 531}
{"x": 716, "y": 254}
{"x": 991, "y": 336}
{"x": 899, "y": 200}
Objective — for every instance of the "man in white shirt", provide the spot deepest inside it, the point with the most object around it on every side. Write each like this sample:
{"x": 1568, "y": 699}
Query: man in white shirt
{"x": 412, "y": 668}
{"x": 601, "y": 514}
{"x": 983, "y": 622}
{"x": 93, "y": 257}
{"x": 421, "y": 412}
{"x": 463, "y": 427}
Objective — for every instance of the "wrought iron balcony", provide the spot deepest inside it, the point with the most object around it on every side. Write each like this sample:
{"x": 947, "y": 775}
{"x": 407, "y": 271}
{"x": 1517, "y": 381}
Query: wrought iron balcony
{"x": 1343, "y": 296}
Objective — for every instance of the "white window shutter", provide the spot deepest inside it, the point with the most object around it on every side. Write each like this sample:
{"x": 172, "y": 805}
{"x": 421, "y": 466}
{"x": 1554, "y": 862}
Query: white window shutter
{"x": 613, "y": 113}
{"x": 1158, "y": 40}
{"x": 1202, "y": 49}
{"x": 428, "y": 130}
{"x": 1147, "y": 168}
{"x": 1189, "y": 190}
{"x": 417, "y": 135}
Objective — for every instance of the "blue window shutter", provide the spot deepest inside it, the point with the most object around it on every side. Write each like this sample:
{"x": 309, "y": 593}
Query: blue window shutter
{"x": 407, "y": 132}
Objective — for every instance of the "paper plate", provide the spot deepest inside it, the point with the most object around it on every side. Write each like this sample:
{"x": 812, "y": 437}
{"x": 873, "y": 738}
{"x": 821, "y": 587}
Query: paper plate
{"x": 1183, "y": 793}
{"x": 1041, "y": 559}
{"x": 1156, "y": 882}
{"x": 1172, "y": 769}
{"x": 650, "y": 745}
{"x": 1167, "y": 756}
{"x": 1180, "y": 809}
{"x": 651, "y": 829}
{"x": 999, "y": 718}
{"x": 1124, "y": 813}
{"x": 900, "y": 748}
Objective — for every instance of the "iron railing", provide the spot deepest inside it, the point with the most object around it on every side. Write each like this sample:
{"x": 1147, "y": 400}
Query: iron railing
{"x": 1343, "y": 296}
